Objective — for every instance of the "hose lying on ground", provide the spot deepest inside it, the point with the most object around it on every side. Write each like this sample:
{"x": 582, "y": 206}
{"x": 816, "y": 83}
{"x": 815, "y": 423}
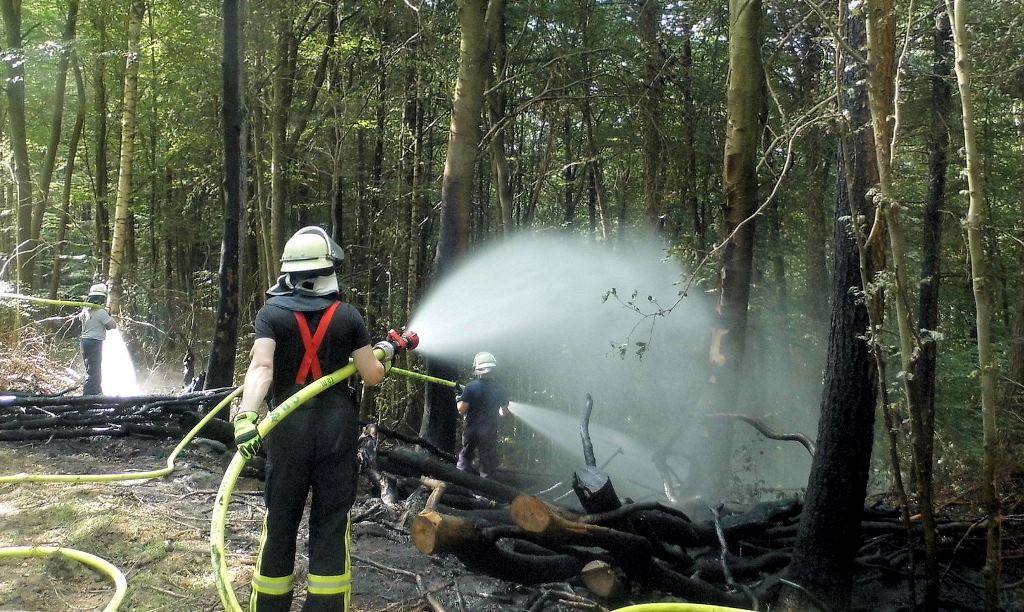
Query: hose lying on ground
{"x": 98, "y": 564}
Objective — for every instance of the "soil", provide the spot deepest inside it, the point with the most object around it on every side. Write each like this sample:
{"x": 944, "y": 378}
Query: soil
{"x": 156, "y": 532}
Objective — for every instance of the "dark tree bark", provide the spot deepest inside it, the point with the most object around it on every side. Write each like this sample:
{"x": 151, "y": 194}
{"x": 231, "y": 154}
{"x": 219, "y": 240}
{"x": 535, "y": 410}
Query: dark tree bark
{"x": 439, "y": 415}
{"x": 102, "y": 182}
{"x": 69, "y": 173}
{"x": 56, "y": 120}
{"x": 931, "y": 242}
{"x": 649, "y": 23}
{"x": 828, "y": 535}
{"x": 15, "y": 59}
{"x": 220, "y": 370}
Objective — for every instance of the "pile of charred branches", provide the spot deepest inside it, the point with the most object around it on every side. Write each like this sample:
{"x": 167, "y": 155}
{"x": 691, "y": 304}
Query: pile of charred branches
{"x": 617, "y": 548}
{"x": 47, "y": 417}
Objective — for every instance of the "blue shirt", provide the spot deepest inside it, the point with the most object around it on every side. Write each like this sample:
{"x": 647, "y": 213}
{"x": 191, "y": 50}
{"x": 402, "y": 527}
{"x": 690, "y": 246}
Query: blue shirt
{"x": 484, "y": 397}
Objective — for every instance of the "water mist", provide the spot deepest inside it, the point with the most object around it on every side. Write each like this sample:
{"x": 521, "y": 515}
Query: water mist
{"x": 564, "y": 318}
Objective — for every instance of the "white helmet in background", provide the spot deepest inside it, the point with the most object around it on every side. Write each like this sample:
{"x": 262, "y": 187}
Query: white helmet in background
{"x": 483, "y": 363}
{"x": 310, "y": 249}
{"x": 98, "y": 290}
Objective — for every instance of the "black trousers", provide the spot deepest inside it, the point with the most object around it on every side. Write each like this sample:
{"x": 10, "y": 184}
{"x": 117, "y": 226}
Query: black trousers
{"x": 313, "y": 449}
{"x": 481, "y": 443}
{"x": 92, "y": 353}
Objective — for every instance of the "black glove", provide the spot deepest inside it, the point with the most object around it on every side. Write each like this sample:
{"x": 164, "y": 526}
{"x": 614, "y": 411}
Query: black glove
{"x": 247, "y": 437}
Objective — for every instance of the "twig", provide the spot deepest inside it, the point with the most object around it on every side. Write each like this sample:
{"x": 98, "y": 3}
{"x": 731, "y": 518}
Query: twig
{"x": 767, "y": 432}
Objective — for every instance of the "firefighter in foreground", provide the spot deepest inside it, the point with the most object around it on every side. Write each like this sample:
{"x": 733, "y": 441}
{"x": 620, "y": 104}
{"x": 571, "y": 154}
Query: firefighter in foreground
{"x": 95, "y": 323}
{"x": 303, "y": 332}
{"x": 480, "y": 403}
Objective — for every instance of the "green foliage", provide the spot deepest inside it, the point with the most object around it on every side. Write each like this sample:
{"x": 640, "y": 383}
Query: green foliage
{"x": 373, "y": 145}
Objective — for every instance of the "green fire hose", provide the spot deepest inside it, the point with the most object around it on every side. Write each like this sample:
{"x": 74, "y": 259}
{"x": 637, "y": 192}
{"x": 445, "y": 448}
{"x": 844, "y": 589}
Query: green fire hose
{"x": 678, "y": 607}
{"x": 98, "y": 564}
{"x": 224, "y": 494}
{"x": 77, "y": 478}
{"x": 39, "y": 300}
{"x": 227, "y": 486}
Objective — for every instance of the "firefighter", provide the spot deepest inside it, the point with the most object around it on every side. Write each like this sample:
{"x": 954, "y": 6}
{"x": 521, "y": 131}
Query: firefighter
{"x": 95, "y": 323}
{"x": 481, "y": 402}
{"x": 303, "y": 332}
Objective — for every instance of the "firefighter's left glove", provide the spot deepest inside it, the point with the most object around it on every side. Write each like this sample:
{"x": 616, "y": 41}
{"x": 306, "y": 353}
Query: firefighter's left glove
{"x": 247, "y": 437}
{"x": 389, "y": 353}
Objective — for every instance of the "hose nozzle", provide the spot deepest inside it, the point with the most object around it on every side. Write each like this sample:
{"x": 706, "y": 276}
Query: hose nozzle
{"x": 405, "y": 341}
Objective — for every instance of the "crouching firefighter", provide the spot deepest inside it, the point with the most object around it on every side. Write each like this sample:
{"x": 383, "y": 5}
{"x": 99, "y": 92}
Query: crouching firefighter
{"x": 303, "y": 332}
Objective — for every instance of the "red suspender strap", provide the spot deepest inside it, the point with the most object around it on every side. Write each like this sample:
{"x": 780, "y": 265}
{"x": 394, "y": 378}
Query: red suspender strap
{"x": 311, "y": 361}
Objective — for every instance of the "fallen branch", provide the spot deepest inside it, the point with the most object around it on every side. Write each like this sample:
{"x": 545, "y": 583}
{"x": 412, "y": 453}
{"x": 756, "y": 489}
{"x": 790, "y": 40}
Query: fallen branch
{"x": 768, "y": 432}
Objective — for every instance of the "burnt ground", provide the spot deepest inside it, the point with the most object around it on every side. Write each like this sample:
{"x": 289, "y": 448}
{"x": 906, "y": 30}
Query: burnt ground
{"x": 157, "y": 533}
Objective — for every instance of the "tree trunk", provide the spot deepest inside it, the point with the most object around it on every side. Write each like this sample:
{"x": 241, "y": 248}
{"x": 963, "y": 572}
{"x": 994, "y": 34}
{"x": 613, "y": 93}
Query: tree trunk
{"x": 977, "y": 225}
{"x": 881, "y": 27}
{"x": 14, "y": 57}
{"x": 439, "y": 415}
{"x": 931, "y": 243}
{"x": 653, "y": 87}
{"x": 739, "y": 183}
{"x": 829, "y": 531}
{"x": 101, "y": 215}
{"x": 819, "y": 159}
{"x": 594, "y": 149}
{"x": 69, "y": 173}
{"x": 220, "y": 370}
{"x": 283, "y": 80}
{"x": 56, "y": 120}
{"x": 119, "y": 241}
{"x": 495, "y": 24}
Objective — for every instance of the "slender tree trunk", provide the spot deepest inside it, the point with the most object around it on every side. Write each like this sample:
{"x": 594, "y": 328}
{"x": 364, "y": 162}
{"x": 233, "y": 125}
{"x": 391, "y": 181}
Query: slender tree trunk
{"x": 931, "y": 243}
{"x": 69, "y": 174}
{"x": 101, "y": 216}
{"x": 439, "y": 416}
{"x": 690, "y": 200}
{"x": 56, "y": 121}
{"x": 283, "y": 80}
{"x": 221, "y": 368}
{"x": 594, "y": 148}
{"x": 977, "y": 225}
{"x": 819, "y": 158}
{"x": 881, "y": 26}
{"x": 739, "y": 182}
{"x": 649, "y": 23}
{"x": 495, "y": 24}
{"x": 14, "y": 57}
{"x": 118, "y": 252}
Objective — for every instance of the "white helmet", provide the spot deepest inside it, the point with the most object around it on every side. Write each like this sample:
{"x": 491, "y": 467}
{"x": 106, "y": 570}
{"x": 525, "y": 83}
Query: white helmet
{"x": 310, "y": 248}
{"x": 98, "y": 290}
{"x": 483, "y": 363}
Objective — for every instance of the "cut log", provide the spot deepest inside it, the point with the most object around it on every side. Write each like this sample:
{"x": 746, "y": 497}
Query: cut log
{"x": 536, "y": 516}
{"x": 515, "y": 560}
{"x": 603, "y": 580}
{"x": 434, "y": 533}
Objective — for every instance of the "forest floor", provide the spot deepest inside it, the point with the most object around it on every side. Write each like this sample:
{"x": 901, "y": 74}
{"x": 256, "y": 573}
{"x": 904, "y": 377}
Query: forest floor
{"x": 157, "y": 533}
